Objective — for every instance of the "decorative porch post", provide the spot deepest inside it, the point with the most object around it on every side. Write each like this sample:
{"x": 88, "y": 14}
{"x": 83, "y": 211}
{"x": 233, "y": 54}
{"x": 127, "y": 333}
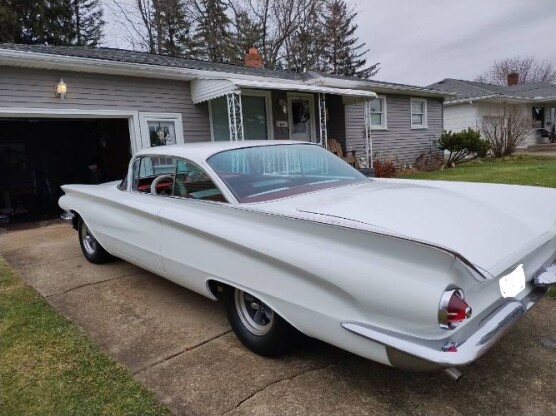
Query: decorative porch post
{"x": 368, "y": 139}
{"x": 322, "y": 113}
{"x": 235, "y": 116}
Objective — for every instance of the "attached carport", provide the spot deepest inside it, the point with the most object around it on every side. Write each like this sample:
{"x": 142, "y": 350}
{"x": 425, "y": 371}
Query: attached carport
{"x": 42, "y": 150}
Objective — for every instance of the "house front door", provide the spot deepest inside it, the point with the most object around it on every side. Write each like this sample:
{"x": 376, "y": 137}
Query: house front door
{"x": 302, "y": 117}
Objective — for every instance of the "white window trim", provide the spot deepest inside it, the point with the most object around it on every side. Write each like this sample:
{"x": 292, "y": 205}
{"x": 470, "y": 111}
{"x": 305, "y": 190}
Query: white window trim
{"x": 311, "y": 98}
{"x": 425, "y": 118}
{"x": 131, "y": 116}
{"x": 144, "y": 118}
{"x": 384, "y": 125}
{"x": 268, "y": 108}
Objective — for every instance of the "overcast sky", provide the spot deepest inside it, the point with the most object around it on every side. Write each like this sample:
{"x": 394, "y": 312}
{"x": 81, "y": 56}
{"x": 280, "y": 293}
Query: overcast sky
{"x": 423, "y": 41}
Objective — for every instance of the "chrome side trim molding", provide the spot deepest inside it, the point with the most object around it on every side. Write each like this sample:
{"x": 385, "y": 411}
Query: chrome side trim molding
{"x": 464, "y": 345}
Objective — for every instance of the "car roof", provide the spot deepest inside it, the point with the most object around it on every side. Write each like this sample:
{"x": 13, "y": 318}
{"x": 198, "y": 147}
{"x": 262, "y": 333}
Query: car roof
{"x": 199, "y": 152}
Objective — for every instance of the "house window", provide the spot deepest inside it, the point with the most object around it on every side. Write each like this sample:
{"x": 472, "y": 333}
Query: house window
{"x": 377, "y": 110}
{"x": 161, "y": 129}
{"x": 418, "y": 113}
{"x": 255, "y": 106}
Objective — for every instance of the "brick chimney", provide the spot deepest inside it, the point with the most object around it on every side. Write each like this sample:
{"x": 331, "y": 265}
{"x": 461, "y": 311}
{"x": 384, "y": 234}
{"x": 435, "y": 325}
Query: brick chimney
{"x": 513, "y": 79}
{"x": 253, "y": 59}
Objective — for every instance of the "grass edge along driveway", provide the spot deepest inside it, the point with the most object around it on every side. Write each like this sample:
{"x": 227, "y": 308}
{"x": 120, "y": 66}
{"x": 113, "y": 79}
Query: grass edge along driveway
{"x": 48, "y": 366}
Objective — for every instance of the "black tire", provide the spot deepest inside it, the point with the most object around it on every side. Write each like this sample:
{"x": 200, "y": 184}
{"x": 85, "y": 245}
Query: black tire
{"x": 91, "y": 248}
{"x": 268, "y": 335}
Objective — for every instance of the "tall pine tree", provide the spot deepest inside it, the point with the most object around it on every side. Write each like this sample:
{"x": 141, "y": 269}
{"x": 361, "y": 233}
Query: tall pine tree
{"x": 342, "y": 52}
{"x": 51, "y": 22}
{"x": 45, "y": 22}
{"x": 173, "y": 30}
{"x": 305, "y": 47}
{"x": 213, "y": 30}
{"x": 246, "y": 33}
{"x": 87, "y": 22}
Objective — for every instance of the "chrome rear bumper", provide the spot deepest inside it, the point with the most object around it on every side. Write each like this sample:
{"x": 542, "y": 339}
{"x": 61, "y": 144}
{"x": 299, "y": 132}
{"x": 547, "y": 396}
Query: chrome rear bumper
{"x": 461, "y": 347}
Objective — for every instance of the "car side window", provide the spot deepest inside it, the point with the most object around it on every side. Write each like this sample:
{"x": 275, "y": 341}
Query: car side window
{"x": 191, "y": 181}
{"x": 154, "y": 175}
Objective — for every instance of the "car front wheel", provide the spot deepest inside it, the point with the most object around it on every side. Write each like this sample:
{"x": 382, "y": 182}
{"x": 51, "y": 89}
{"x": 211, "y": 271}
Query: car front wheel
{"x": 91, "y": 248}
{"x": 256, "y": 325}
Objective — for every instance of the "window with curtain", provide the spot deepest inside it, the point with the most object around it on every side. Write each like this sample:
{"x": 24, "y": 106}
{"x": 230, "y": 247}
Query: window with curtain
{"x": 255, "y": 119}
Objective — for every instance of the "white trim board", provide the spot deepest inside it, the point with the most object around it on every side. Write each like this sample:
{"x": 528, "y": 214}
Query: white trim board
{"x": 144, "y": 118}
{"x": 131, "y": 116}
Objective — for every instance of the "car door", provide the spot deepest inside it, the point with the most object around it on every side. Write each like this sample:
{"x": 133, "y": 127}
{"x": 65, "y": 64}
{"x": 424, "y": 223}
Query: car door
{"x": 138, "y": 227}
{"x": 185, "y": 248}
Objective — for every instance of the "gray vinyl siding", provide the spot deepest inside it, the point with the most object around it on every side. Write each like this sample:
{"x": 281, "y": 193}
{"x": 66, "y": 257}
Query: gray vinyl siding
{"x": 399, "y": 142}
{"x": 32, "y": 88}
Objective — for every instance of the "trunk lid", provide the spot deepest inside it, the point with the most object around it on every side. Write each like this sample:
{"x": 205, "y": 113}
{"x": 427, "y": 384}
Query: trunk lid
{"x": 487, "y": 224}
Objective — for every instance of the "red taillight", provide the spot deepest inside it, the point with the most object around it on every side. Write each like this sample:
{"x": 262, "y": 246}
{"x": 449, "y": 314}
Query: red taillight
{"x": 453, "y": 309}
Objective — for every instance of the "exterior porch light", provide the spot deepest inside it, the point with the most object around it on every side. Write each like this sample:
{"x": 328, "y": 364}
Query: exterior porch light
{"x": 60, "y": 89}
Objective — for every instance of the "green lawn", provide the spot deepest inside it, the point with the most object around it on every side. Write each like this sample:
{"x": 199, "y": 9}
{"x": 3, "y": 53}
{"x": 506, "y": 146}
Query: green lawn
{"x": 517, "y": 170}
{"x": 49, "y": 367}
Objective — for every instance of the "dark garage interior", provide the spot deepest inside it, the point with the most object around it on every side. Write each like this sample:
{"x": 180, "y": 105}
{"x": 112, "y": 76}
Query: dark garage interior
{"x": 39, "y": 155}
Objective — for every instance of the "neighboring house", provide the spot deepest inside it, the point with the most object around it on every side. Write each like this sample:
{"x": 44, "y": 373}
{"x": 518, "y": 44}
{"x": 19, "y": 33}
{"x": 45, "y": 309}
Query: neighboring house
{"x": 116, "y": 102}
{"x": 476, "y": 100}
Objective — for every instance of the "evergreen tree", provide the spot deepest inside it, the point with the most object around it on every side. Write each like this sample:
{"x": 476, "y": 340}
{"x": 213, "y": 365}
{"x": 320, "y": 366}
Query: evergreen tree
{"x": 9, "y": 15}
{"x": 342, "y": 52}
{"x": 46, "y": 22}
{"x": 87, "y": 22}
{"x": 246, "y": 34}
{"x": 213, "y": 30}
{"x": 173, "y": 29}
{"x": 51, "y": 22}
{"x": 305, "y": 47}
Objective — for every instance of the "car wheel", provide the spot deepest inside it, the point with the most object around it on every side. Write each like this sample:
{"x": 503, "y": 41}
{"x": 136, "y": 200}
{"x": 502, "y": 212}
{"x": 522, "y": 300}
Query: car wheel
{"x": 92, "y": 250}
{"x": 256, "y": 325}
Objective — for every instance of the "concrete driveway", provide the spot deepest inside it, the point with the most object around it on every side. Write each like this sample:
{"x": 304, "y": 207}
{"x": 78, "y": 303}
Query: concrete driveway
{"x": 180, "y": 346}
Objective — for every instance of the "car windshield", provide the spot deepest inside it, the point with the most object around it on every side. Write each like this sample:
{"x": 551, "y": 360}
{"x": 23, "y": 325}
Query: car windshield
{"x": 264, "y": 173}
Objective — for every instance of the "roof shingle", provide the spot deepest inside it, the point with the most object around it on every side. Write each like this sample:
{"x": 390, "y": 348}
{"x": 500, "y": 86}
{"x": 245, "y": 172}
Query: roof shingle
{"x": 476, "y": 90}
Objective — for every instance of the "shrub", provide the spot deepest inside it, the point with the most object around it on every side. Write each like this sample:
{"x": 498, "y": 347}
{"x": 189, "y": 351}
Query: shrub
{"x": 384, "y": 169}
{"x": 506, "y": 132}
{"x": 463, "y": 145}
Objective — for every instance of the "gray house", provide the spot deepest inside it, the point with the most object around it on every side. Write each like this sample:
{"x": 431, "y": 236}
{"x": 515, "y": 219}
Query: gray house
{"x": 74, "y": 114}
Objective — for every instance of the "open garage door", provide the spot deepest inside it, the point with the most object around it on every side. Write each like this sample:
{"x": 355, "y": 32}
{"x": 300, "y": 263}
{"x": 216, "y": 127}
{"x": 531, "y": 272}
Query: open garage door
{"x": 39, "y": 155}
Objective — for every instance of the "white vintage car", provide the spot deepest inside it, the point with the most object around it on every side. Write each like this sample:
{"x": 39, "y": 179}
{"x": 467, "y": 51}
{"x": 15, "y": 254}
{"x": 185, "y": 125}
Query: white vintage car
{"x": 418, "y": 275}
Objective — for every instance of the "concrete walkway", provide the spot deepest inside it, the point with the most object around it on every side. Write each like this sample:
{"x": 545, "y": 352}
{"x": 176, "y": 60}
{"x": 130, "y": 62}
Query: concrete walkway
{"x": 180, "y": 346}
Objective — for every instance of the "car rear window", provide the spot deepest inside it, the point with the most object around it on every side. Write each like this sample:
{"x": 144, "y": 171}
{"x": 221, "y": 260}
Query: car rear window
{"x": 263, "y": 173}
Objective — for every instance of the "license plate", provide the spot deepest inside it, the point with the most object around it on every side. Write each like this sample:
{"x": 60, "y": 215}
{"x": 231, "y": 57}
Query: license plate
{"x": 513, "y": 283}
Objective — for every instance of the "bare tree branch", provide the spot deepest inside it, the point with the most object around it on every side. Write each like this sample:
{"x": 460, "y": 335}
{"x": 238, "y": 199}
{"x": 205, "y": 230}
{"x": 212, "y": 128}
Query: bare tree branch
{"x": 528, "y": 68}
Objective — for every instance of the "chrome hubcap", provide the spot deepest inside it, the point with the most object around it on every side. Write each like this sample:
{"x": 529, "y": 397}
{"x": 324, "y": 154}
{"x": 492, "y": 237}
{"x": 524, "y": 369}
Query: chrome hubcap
{"x": 254, "y": 314}
{"x": 89, "y": 241}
